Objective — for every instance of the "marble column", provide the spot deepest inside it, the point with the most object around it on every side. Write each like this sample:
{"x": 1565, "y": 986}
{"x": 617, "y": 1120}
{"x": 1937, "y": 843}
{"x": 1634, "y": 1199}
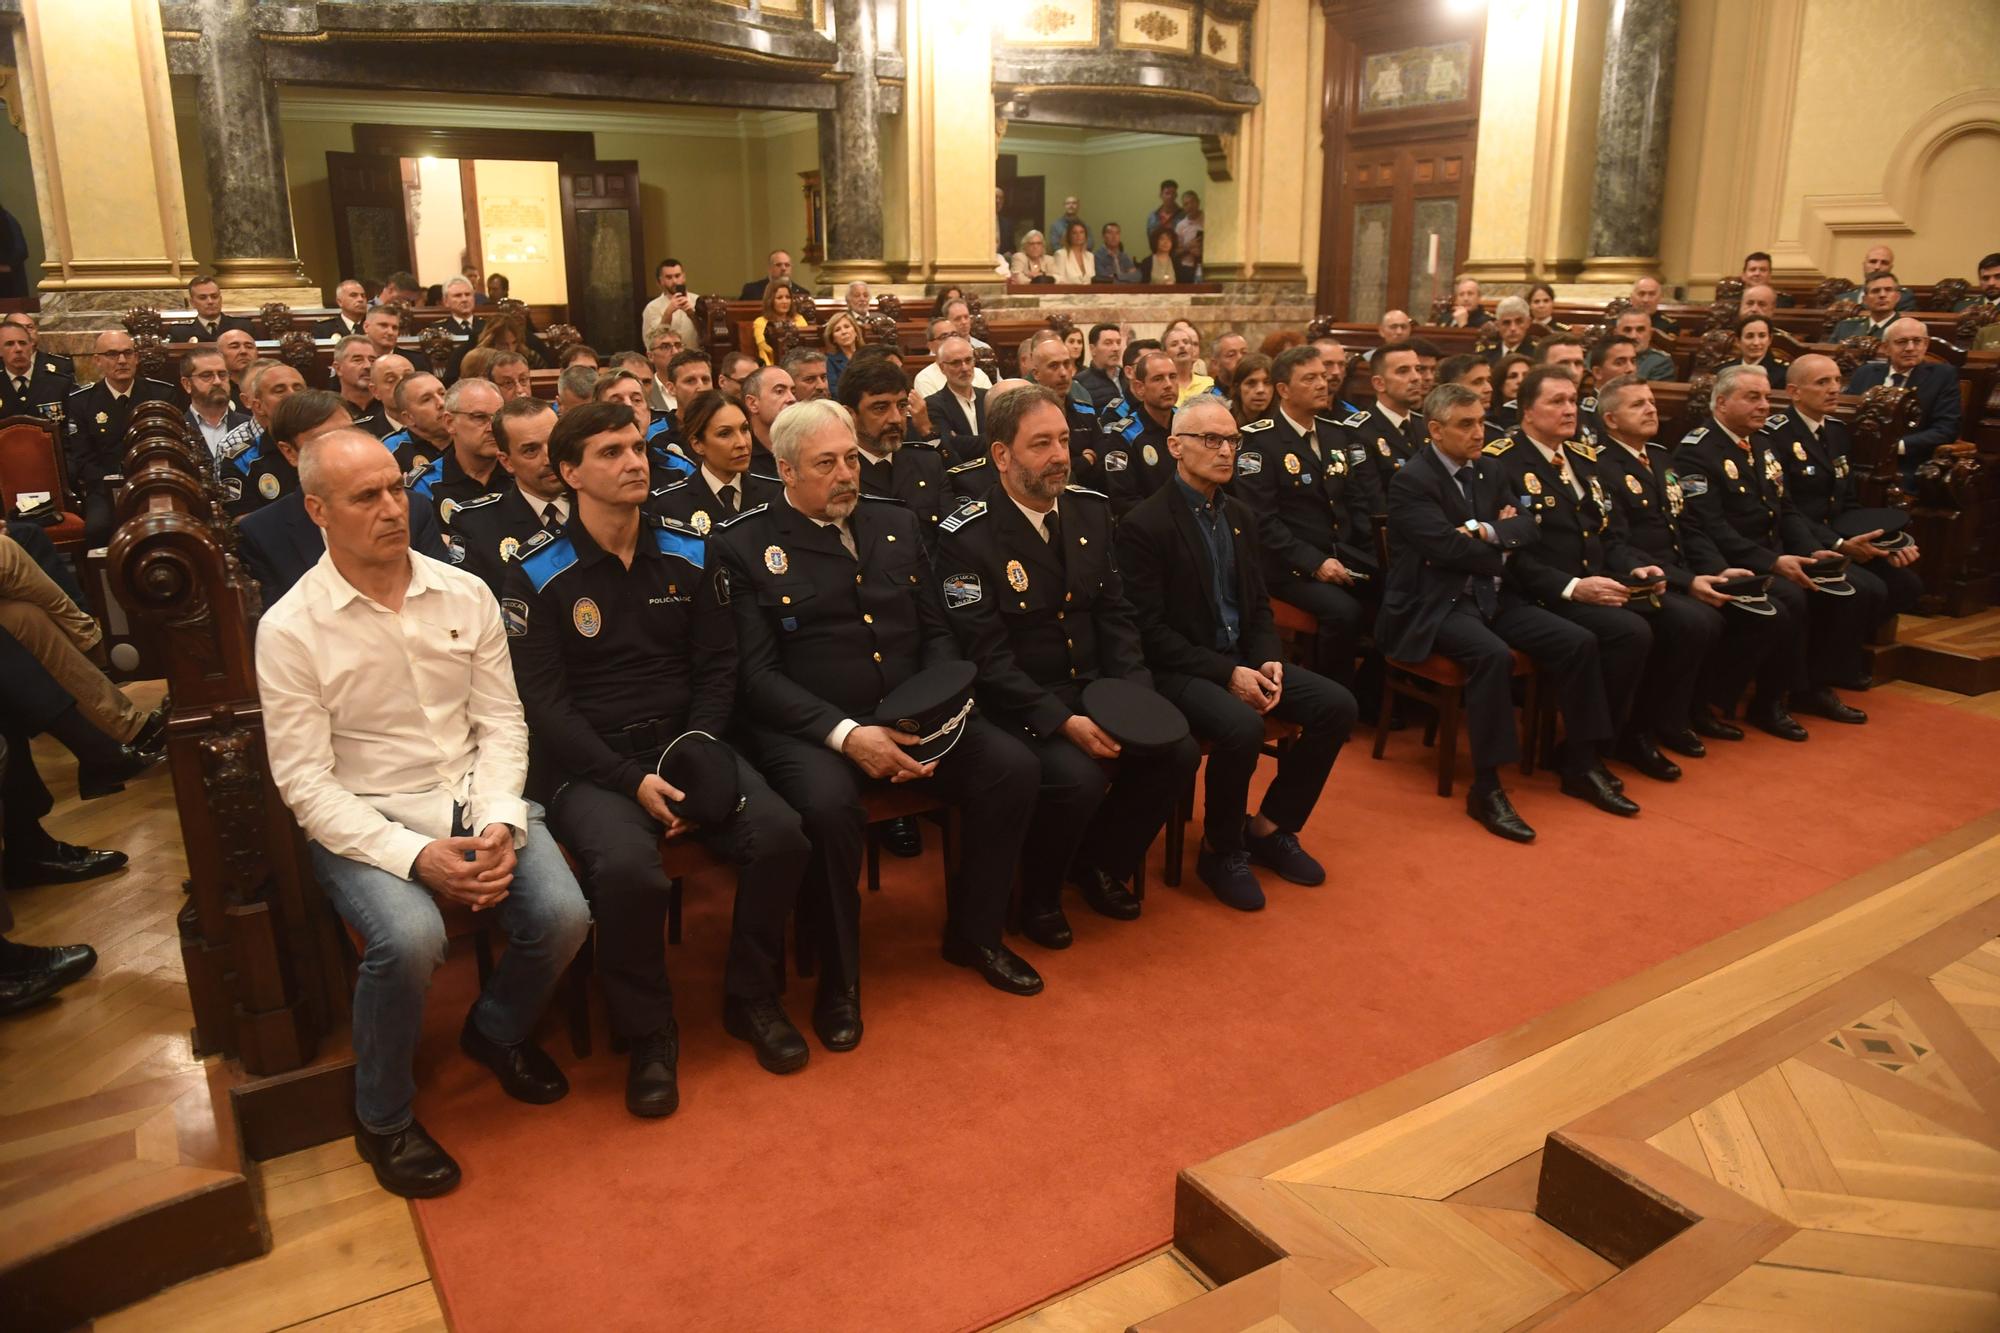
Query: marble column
{"x": 850, "y": 154}
{"x": 1634, "y": 113}
{"x": 238, "y": 107}
{"x": 948, "y": 114}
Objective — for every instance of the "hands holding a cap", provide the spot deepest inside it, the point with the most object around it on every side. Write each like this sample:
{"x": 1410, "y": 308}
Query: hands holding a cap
{"x": 1090, "y": 738}
{"x": 1600, "y": 591}
{"x": 1332, "y": 571}
{"x": 1793, "y": 567}
{"x": 654, "y": 793}
{"x": 1863, "y": 547}
{"x": 1260, "y": 688}
{"x": 879, "y": 752}
{"x": 1653, "y": 572}
{"x": 1703, "y": 586}
{"x": 472, "y": 871}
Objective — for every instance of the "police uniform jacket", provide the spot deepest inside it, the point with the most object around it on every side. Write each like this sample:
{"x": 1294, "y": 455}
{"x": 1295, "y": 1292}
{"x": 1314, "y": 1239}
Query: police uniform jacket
{"x": 823, "y": 635}
{"x": 1774, "y": 366}
{"x": 447, "y": 486}
{"x": 1432, "y": 558}
{"x": 1737, "y": 496}
{"x": 1647, "y": 514}
{"x": 376, "y": 422}
{"x": 1576, "y": 540}
{"x": 1859, "y": 325}
{"x": 254, "y": 471}
{"x": 1132, "y": 455}
{"x": 414, "y": 453}
{"x": 1303, "y": 493}
{"x": 599, "y": 649}
{"x": 1374, "y": 441}
{"x": 1086, "y": 428}
{"x": 335, "y": 328}
{"x": 489, "y": 532}
{"x": 54, "y": 363}
{"x": 1102, "y": 388}
{"x": 46, "y": 392}
{"x": 1819, "y": 477}
{"x": 693, "y": 503}
{"x": 972, "y": 479}
{"x": 96, "y": 420}
{"x": 914, "y": 474}
{"x": 665, "y": 463}
{"x": 465, "y": 330}
{"x": 198, "y": 330}
{"x": 1041, "y": 623}
{"x": 1654, "y": 364}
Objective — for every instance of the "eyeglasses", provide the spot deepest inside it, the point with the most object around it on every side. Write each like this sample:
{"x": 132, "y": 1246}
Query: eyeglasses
{"x": 957, "y": 362}
{"x": 1213, "y": 443}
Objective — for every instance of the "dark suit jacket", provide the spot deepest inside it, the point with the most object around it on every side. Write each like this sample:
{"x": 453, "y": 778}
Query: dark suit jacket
{"x": 1937, "y": 405}
{"x": 753, "y": 291}
{"x": 46, "y": 393}
{"x": 961, "y": 438}
{"x": 191, "y": 331}
{"x": 1163, "y": 558}
{"x": 280, "y": 543}
{"x": 335, "y": 327}
{"x": 1430, "y": 552}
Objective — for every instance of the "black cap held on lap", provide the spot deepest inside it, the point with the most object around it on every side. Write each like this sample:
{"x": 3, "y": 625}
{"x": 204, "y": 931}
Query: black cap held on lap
{"x": 704, "y": 768}
{"x": 933, "y": 704}
{"x": 1134, "y": 716}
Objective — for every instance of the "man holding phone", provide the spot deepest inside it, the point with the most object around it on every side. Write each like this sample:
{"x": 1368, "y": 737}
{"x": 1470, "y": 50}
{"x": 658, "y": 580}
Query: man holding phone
{"x": 673, "y": 308}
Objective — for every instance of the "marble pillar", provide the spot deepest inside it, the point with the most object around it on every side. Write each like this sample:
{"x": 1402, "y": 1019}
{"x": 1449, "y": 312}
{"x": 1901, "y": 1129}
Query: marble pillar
{"x": 948, "y": 116}
{"x": 1634, "y": 113}
{"x": 238, "y": 109}
{"x": 850, "y": 154}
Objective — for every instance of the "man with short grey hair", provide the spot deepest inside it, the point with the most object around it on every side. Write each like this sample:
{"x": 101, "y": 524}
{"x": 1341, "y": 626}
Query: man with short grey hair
{"x": 930, "y": 379}
{"x": 807, "y": 367}
{"x": 350, "y": 300}
{"x": 459, "y": 298}
{"x": 1511, "y": 318}
{"x": 1904, "y": 343}
{"x": 858, "y": 299}
{"x": 958, "y": 411}
{"x": 1395, "y": 326}
{"x": 467, "y": 473}
{"x": 1760, "y": 300}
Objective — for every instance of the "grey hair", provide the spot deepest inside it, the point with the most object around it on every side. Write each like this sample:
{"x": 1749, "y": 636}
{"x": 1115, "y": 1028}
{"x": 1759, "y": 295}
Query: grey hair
{"x": 801, "y": 356}
{"x": 856, "y": 283}
{"x": 801, "y": 421}
{"x": 1193, "y": 407}
{"x": 1510, "y": 305}
{"x": 1448, "y": 398}
{"x": 255, "y": 371}
{"x": 460, "y": 281}
{"x": 578, "y": 379}
{"x": 1033, "y": 235}
{"x": 952, "y": 338}
{"x": 1611, "y": 394}
{"x": 456, "y": 393}
{"x": 1726, "y": 378}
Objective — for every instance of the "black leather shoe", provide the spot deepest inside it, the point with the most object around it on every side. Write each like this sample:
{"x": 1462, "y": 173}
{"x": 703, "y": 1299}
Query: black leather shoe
{"x": 1714, "y": 728}
{"x": 1046, "y": 925}
{"x": 1281, "y": 852}
{"x": 95, "y": 780}
{"x": 408, "y": 1162}
{"x": 1594, "y": 786}
{"x": 153, "y": 734}
{"x": 1859, "y": 683}
{"x": 903, "y": 837}
{"x": 652, "y": 1084}
{"x": 62, "y": 864}
{"x": 525, "y": 1071}
{"x": 38, "y": 973}
{"x": 1776, "y": 721}
{"x": 1105, "y": 895}
{"x": 1496, "y": 815}
{"x": 1230, "y": 878}
{"x": 837, "y": 1017}
{"x": 1642, "y": 754}
{"x": 763, "y": 1024}
{"x": 1001, "y": 966}
{"x": 1684, "y": 743}
{"x": 1823, "y": 702}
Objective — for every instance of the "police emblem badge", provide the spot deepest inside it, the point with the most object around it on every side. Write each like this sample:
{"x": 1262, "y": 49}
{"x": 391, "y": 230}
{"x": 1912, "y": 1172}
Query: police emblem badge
{"x": 1017, "y": 577}
{"x": 589, "y": 621}
{"x": 774, "y": 559}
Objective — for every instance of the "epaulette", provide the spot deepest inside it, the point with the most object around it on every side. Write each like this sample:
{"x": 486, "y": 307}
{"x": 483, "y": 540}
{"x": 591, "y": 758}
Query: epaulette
{"x": 1088, "y": 409}
{"x": 881, "y": 499}
{"x": 1357, "y": 419}
{"x": 734, "y": 519}
{"x": 1509, "y": 403}
{"x": 1264, "y": 424}
{"x": 542, "y": 563}
{"x": 421, "y": 482}
{"x": 764, "y": 477}
{"x": 673, "y": 461}
{"x": 1129, "y": 429}
{"x": 396, "y": 437}
{"x": 670, "y": 538}
{"x": 962, "y": 515}
{"x": 239, "y": 439}
{"x": 670, "y": 488}
{"x": 1694, "y": 436}
{"x": 478, "y": 502}
{"x": 1085, "y": 490}
{"x": 535, "y": 543}
{"x": 966, "y": 467}
{"x": 1499, "y": 446}
{"x": 933, "y": 445}
{"x": 1587, "y": 452}
{"x": 1774, "y": 423}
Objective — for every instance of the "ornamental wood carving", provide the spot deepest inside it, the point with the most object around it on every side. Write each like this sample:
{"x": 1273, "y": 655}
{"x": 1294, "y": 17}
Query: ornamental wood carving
{"x": 275, "y": 320}
{"x": 1946, "y": 295}
{"x": 438, "y": 344}
{"x": 559, "y": 338}
{"x": 1849, "y": 353}
{"x": 1716, "y": 350}
{"x": 1830, "y": 290}
{"x": 144, "y": 321}
{"x": 711, "y": 320}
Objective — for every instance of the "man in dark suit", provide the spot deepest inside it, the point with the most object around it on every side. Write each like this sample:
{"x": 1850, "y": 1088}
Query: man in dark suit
{"x": 205, "y": 294}
{"x": 27, "y": 389}
{"x": 459, "y": 321}
{"x": 351, "y": 298}
{"x": 1935, "y": 383}
{"x": 778, "y": 269}
{"x": 1216, "y": 657}
{"x": 383, "y": 327}
{"x": 208, "y": 415}
{"x": 1453, "y": 530}
{"x": 1510, "y": 319}
{"x": 95, "y": 417}
{"x": 958, "y": 410}
{"x": 1387, "y": 435}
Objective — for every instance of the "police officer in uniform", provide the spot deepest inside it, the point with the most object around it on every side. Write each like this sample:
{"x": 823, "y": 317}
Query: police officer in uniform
{"x": 665, "y": 462}
{"x": 1135, "y": 460}
{"x": 419, "y": 399}
{"x": 490, "y": 532}
{"x": 1293, "y": 473}
{"x": 623, "y": 644}
{"x": 255, "y": 468}
{"x": 470, "y": 468}
{"x": 1031, "y": 587}
{"x": 1384, "y": 436}
{"x": 1054, "y": 368}
{"x": 722, "y": 484}
{"x": 836, "y": 605}
{"x": 874, "y": 390}
{"x": 26, "y": 387}
{"x": 96, "y": 417}
{"x": 1735, "y": 489}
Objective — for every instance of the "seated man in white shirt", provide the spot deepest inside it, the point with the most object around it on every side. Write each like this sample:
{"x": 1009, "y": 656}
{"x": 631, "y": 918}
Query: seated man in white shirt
{"x": 396, "y": 737}
{"x": 931, "y": 378}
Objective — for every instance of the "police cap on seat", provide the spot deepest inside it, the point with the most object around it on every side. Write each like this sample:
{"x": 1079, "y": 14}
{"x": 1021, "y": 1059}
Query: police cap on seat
{"x": 1134, "y": 716}
{"x": 934, "y": 705}
{"x": 704, "y": 769}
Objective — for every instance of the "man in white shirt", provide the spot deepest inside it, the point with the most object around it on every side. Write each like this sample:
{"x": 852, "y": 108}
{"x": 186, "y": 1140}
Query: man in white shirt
{"x": 673, "y": 308}
{"x": 396, "y": 737}
{"x": 957, "y": 318}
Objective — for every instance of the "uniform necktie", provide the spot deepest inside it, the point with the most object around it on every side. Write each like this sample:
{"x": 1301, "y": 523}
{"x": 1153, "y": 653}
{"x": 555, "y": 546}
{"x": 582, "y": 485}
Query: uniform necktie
{"x": 1896, "y": 380}
{"x": 550, "y": 518}
{"x": 846, "y": 538}
{"x": 21, "y": 385}
{"x": 1465, "y": 476}
{"x": 728, "y": 498}
{"x": 1052, "y": 529}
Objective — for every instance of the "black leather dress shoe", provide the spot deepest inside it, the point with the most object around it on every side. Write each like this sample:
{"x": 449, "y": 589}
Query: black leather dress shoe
{"x": 34, "y": 974}
{"x": 153, "y": 734}
{"x": 1642, "y": 754}
{"x": 903, "y": 837}
{"x": 1777, "y": 722}
{"x": 1714, "y": 728}
{"x": 1105, "y": 895}
{"x": 837, "y": 1017}
{"x": 1684, "y": 743}
{"x": 1823, "y": 702}
{"x": 95, "y": 780}
{"x": 1495, "y": 814}
{"x": 62, "y": 864}
{"x": 762, "y": 1023}
{"x": 1046, "y": 925}
{"x": 1859, "y": 683}
{"x": 409, "y": 1162}
{"x": 1001, "y": 966}
{"x": 1594, "y": 786}
{"x": 652, "y": 1084}
{"x": 525, "y": 1071}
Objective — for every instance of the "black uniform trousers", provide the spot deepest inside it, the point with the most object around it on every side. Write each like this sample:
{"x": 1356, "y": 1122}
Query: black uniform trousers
{"x": 990, "y": 775}
{"x": 30, "y": 700}
{"x": 1624, "y": 641}
{"x": 100, "y": 518}
{"x": 1325, "y": 712}
{"x": 1339, "y": 613}
{"x": 1098, "y": 813}
{"x": 618, "y": 847}
{"x": 1900, "y": 587}
{"x": 1835, "y": 628}
{"x": 1685, "y": 636}
{"x": 1566, "y": 661}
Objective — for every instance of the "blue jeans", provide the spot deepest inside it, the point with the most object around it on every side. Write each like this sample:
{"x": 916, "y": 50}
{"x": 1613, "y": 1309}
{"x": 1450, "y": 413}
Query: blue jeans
{"x": 545, "y": 918}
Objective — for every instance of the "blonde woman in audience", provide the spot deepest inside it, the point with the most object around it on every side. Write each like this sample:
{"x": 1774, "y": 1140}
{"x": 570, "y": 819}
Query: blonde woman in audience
{"x": 1075, "y": 262}
{"x": 1252, "y": 399}
{"x": 842, "y": 339}
{"x": 1182, "y": 342}
{"x": 1032, "y": 263}
{"x": 778, "y": 307}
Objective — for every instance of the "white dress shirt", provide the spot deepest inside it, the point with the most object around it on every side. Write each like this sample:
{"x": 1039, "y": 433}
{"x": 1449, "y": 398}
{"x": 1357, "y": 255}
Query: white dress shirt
{"x": 1036, "y": 519}
{"x": 378, "y": 722}
{"x": 931, "y": 378}
{"x": 656, "y": 312}
{"x": 212, "y": 434}
{"x": 561, "y": 502}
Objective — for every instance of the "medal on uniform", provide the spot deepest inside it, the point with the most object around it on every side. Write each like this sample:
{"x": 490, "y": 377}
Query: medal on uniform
{"x": 1632, "y": 485}
{"x": 1017, "y": 577}
{"x": 418, "y": 462}
{"x": 1729, "y": 468}
{"x": 509, "y": 545}
{"x": 1292, "y": 464}
{"x": 1382, "y": 448}
{"x": 1151, "y": 455}
{"x": 588, "y": 620}
{"x": 1533, "y": 483}
{"x": 267, "y": 486}
{"x": 774, "y": 559}
{"x": 1336, "y": 462}
{"x": 1799, "y": 450}
{"x": 103, "y": 418}
{"x": 700, "y": 522}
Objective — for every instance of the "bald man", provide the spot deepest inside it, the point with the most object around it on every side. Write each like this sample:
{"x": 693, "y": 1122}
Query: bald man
{"x": 1935, "y": 384}
{"x": 1759, "y": 300}
{"x": 1881, "y": 259}
{"x": 1395, "y": 326}
{"x": 96, "y": 417}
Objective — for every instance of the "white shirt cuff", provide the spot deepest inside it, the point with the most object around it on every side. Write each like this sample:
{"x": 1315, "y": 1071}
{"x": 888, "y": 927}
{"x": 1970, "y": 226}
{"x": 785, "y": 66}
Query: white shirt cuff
{"x": 1569, "y": 590}
{"x": 509, "y": 810}
{"x": 837, "y": 738}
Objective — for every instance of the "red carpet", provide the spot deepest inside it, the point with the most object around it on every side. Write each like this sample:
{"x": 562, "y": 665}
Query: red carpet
{"x": 981, "y": 1152}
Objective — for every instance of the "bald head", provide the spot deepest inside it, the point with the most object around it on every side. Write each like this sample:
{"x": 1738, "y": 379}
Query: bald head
{"x": 1879, "y": 259}
{"x": 117, "y": 359}
{"x": 1905, "y": 341}
{"x": 1758, "y": 300}
{"x": 329, "y": 462}
{"x": 1000, "y": 385}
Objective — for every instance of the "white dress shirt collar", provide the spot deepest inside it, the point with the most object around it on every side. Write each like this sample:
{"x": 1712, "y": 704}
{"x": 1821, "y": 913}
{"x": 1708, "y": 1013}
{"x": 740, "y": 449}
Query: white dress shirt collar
{"x": 1035, "y": 520}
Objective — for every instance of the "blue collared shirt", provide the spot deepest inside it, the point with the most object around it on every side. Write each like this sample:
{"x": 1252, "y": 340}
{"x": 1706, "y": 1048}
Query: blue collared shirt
{"x": 1212, "y": 521}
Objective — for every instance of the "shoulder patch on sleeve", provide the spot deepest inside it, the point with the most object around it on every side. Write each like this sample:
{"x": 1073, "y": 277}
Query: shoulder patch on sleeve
{"x": 1249, "y": 464}
{"x": 1356, "y": 419}
{"x": 961, "y": 590}
{"x": 1116, "y": 460}
{"x": 967, "y": 466}
{"x": 1693, "y": 483}
{"x": 1264, "y": 424}
{"x": 1130, "y": 428}
{"x": 1695, "y": 436}
{"x": 962, "y": 515}
{"x": 514, "y": 615}
{"x": 732, "y": 522}
{"x": 1499, "y": 446}
{"x": 544, "y": 563}
{"x": 1087, "y": 409}
{"x": 670, "y": 538}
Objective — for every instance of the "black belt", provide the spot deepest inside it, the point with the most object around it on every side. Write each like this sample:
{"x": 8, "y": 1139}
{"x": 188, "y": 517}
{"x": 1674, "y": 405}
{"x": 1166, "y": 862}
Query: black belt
{"x": 643, "y": 736}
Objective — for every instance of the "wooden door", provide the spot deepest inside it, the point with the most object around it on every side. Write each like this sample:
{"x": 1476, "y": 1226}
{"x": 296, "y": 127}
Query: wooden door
{"x": 604, "y": 243}
{"x": 1398, "y": 196}
{"x": 371, "y": 225}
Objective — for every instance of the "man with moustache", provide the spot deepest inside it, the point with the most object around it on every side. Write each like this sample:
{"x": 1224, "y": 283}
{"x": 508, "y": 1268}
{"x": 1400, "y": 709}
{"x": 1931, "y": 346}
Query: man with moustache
{"x": 913, "y": 472}
{"x": 486, "y": 537}
{"x": 205, "y": 381}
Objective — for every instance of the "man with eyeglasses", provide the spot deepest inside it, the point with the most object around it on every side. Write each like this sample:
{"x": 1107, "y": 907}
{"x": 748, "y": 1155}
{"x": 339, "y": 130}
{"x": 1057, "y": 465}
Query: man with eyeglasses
{"x": 205, "y": 381}
{"x": 468, "y": 472}
{"x": 958, "y": 410}
{"x": 1215, "y": 655}
{"x": 97, "y": 416}
{"x": 1935, "y": 384}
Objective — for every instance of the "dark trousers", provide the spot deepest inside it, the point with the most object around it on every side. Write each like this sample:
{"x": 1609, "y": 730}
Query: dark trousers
{"x": 990, "y": 775}
{"x": 617, "y": 845}
{"x": 100, "y": 516}
{"x": 1624, "y": 642}
{"x": 1325, "y": 712}
{"x": 1685, "y": 635}
{"x": 1098, "y": 814}
{"x": 1565, "y": 657}
{"x": 1835, "y": 628}
{"x": 1338, "y": 612}
{"x": 1900, "y": 587}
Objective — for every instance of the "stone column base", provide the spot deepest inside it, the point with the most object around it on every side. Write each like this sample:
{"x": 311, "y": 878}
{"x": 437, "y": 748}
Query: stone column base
{"x": 837, "y": 273}
{"x": 261, "y": 273}
{"x": 1619, "y": 268}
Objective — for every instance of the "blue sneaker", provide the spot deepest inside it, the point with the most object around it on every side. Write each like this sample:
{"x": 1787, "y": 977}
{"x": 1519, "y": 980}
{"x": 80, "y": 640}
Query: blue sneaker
{"x": 1282, "y": 853}
{"x": 1230, "y": 876}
